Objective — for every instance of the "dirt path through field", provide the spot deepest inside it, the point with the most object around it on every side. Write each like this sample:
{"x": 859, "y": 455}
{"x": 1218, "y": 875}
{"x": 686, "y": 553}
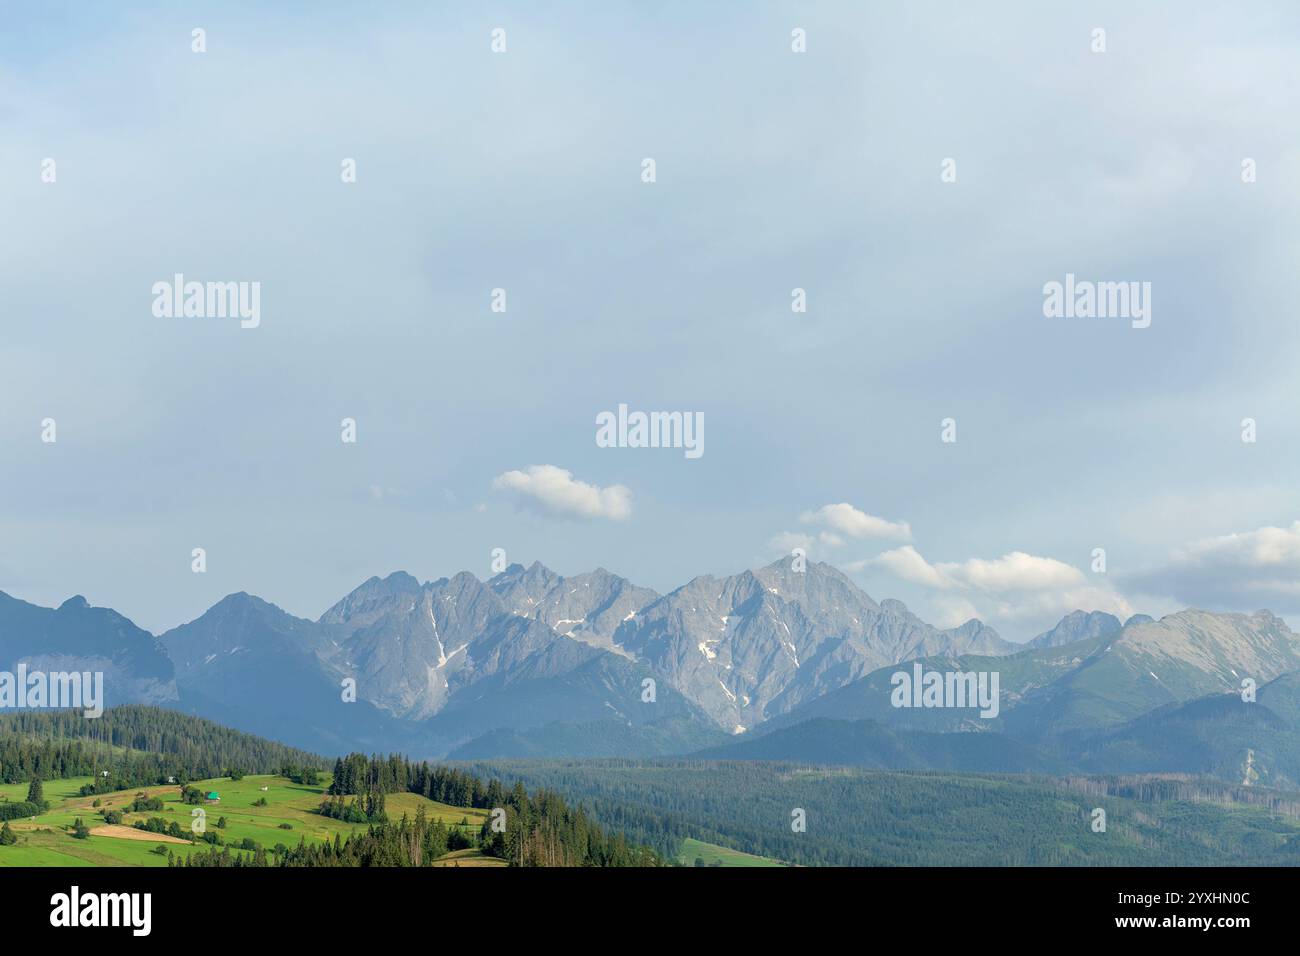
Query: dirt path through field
{"x": 131, "y": 833}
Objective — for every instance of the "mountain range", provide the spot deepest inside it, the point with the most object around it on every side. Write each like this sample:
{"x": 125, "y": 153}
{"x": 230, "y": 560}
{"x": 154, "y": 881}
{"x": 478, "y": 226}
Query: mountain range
{"x": 530, "y": 661}
{"x": 772, "y": 662}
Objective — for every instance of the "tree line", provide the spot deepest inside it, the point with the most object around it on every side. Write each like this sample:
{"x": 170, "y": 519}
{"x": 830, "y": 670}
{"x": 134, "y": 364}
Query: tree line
{"x": 840, "y": 816}
{"x": 523, "y": 829}
{"x": 137, "y": 746}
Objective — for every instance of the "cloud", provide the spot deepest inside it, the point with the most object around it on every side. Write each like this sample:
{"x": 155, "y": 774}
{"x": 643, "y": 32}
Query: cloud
{"x": 787, "y": 541}
{"x": 1015, "y": 571}
{"x": 557, "y": 492}
{"x": 838, "y": 523}
{"x": 1045, "y": 608}
{"x": 1015, "y": 587}
{"x": 1264, "y": 548}
{"x": 1241, "y": 571}
{"x": 954, "y": 612}
{"x": 844, "y": 519}
{"x": 906, "y": 563}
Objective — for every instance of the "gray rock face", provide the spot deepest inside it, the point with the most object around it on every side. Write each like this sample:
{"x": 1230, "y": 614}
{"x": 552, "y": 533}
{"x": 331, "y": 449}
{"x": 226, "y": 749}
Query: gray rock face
{"x": 751, "y": 646}
{"x": 531, "y": 660}
{"x": 1088, "y": 685}
{"x": 450, "y": 660}
{"x": 1081, "y": 626}
{"x": 524, "y": 650}
{"x": 239, "y": 629}
{"x": 371, "y": 600}
{"x": 78, "y": 637}
{"x": 1210, "y": 649}
{"x": 434, "y": 664}
{"x": 739, "y": 648}
{"x": 411, "y": 646}
{"x": 1150, "y": 664}
{"x": 248, "y": 664}
{"x": 587, "y": 607}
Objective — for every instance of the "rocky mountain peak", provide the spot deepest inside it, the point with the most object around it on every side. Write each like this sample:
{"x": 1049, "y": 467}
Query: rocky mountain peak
{"x": 371, "y": 598}
{"x": 1079, "y": 626}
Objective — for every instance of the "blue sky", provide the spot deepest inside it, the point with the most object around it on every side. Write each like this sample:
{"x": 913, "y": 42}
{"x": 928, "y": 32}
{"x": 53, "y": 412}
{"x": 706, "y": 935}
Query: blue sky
{"x": 522, "y": 170}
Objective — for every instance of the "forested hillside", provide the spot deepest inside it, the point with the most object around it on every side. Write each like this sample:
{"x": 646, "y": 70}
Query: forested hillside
{"x": 98, "y": 790}
{"x": 137, "y": 745}
{"x": 854, "y": 817}
{"x": 518, "y": 829}
{"x": 530, "y": 830}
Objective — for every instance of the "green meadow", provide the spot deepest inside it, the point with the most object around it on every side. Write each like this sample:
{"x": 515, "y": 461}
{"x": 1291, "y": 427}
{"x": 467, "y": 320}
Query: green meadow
{"x": 710, "y": 854}
{"x": 287, "y": 818}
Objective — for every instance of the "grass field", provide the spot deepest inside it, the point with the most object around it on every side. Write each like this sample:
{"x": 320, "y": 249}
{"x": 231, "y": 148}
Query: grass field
{"x": 470, "y": 857}
{"x": 710, "y": 854}
{"x": 287, "y": 818}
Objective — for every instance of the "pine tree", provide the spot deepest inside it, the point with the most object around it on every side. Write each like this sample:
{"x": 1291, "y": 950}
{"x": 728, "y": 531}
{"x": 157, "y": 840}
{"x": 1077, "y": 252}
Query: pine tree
{"x": 7, "y": 835}
{"x": 36, "y": 792}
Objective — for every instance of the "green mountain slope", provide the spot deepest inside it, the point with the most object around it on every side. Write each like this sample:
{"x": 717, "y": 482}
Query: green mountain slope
{"x": 859, "y": 817}
{"x": 867, "y": 743}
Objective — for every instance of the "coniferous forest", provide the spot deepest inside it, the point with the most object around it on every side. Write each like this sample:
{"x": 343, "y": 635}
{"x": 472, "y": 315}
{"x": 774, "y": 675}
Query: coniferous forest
{"x": 138, "y": 745}
{"x": 853, "y": 817}
{"x": 538, "y": 829}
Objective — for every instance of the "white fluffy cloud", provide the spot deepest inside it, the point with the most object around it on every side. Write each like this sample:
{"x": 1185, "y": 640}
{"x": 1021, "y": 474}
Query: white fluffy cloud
{"x": 843, "y": 520}
{"x": 1015, "y": 587}
{"x": 1241, "y": 571}
{"x": 1015, "y": 571}
{"x": 787, "y": 541}
{"x": 838, "y": 523}
{"x": 557, "y": 492}
{"x": 1045, "y": 608}
{"x": 954, "y": 612}
{"x": 906, "y": 563}
{"x": 1265, "y": 548}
